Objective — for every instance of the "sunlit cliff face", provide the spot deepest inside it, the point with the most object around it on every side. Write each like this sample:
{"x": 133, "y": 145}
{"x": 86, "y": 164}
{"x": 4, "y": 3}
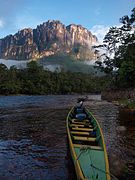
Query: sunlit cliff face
{"x": 47, "y": 39}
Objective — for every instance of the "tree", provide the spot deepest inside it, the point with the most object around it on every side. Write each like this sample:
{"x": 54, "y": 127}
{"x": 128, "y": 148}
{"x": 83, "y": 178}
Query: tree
{"x": 3, "y": 71}
{"x": 119, "y": 59}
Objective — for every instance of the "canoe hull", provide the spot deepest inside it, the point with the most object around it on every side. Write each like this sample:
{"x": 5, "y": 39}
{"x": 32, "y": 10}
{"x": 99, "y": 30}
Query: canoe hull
{"x": 89, "y": 160}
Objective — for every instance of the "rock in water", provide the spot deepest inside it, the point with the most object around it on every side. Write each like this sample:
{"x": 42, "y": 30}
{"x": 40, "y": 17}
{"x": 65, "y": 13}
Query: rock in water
{"x": 121, "y": 128}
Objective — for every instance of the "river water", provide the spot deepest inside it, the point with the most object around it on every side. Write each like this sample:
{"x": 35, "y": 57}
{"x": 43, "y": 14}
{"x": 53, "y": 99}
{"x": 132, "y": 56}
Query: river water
{"x": 33, "y": 139}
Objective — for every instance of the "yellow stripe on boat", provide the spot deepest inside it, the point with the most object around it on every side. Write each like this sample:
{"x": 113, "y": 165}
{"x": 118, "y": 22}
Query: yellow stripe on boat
{"x": 79, "y": 172}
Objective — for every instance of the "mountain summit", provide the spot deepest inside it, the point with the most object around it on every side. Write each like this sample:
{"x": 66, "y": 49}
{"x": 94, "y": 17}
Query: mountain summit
{"x": 49, "y": 38}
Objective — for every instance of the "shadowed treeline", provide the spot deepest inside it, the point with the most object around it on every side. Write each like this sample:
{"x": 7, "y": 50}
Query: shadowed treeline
{"x": 35, "y": 80}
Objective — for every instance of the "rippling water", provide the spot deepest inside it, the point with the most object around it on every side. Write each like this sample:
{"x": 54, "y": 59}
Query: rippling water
{"x": 33, "y": 140}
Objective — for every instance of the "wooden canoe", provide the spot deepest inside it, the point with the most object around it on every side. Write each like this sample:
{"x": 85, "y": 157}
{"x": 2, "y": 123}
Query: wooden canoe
{"x": 87, "y": 145}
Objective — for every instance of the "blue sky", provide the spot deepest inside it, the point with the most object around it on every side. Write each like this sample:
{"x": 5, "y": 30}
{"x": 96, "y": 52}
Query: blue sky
{"x": 96, "y": 15}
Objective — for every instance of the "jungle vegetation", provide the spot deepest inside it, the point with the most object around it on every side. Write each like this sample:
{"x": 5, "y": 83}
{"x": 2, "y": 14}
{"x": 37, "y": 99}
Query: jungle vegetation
{"x": 36, "y": 80}
{"x": 119, "y": 60}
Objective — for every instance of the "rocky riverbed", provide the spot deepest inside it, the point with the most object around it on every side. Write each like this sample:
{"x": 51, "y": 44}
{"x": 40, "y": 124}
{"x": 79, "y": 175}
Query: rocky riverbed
{"x": 33, "y": 140}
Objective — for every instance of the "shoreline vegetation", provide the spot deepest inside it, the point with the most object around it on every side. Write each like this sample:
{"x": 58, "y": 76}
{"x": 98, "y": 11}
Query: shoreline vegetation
{"x": 34, "y": 80}
{"x": 126, "y": 104}
{"x": 125, "y": 98}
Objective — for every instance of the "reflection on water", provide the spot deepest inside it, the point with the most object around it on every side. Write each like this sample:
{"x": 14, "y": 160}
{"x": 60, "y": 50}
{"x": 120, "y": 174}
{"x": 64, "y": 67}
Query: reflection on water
{"x": 33, "y": 140}
{"x": 34, "y": 144}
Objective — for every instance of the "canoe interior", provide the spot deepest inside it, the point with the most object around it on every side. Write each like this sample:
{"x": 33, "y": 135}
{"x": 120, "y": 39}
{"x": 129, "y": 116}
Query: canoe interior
{"x": 87, "y": 145}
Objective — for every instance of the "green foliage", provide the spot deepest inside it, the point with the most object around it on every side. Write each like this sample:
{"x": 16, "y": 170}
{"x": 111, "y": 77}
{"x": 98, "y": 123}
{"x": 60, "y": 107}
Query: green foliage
{"x": 128, "y": 103}
{"x": 35, "y": 80}
{"x": 120, "y": 42}
{"x": 131, "y": 105}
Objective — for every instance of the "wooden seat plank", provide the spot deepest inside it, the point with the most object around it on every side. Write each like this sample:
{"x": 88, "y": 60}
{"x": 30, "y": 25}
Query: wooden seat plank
{"x": 80, "y": 138}
{"x": 88, "y": 146}
{"x": 82, "y": 129}
{"x": 80, "y": 125}
{"x": 83, "y": 123}
{"x": 80, "y": 132}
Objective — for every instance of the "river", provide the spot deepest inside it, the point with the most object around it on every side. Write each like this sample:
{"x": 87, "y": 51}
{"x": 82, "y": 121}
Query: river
{"x": 33, "y": 139}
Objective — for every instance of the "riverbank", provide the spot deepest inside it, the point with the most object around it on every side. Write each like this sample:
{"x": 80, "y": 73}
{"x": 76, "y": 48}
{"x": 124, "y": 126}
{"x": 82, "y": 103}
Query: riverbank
{"x": 112, "y": 95}
{"x": 123, "y": 98}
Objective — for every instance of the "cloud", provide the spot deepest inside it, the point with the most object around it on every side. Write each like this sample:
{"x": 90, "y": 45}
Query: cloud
{"x": 1, "y": 23}
{"x": 100, "y": 31}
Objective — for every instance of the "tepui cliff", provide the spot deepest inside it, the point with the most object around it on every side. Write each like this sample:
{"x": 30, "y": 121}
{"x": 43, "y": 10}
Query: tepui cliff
{"x": 49, "y": 38}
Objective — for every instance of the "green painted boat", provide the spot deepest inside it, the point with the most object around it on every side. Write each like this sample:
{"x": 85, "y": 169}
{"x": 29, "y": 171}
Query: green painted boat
{"x": 87, "y": 145}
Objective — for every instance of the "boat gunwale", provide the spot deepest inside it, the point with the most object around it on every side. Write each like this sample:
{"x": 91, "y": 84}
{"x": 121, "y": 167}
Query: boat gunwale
{"x": 104, "y": 145}
{"x": 77, "y": 164}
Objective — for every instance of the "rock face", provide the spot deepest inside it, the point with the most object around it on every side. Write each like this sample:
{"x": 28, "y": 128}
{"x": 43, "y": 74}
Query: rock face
{"x": 47, "y": 39}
